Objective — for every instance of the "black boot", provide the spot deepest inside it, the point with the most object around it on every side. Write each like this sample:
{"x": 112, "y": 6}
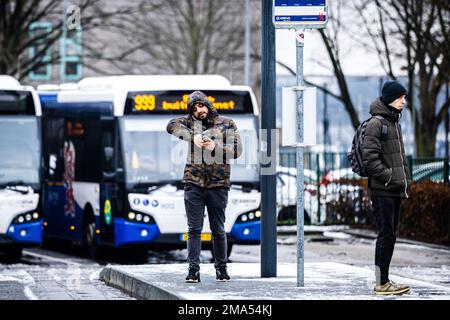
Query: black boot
{"x": 193, "y": 275}
{"x": 222, "y": 274}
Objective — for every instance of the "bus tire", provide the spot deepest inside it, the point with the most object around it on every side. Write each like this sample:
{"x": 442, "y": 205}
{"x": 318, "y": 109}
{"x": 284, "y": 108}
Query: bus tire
{"x": 94, "y": 250}
{"x": 12, "y": 254}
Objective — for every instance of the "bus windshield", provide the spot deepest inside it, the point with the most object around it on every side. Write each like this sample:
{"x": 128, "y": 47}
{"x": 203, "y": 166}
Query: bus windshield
{"x": 153, "y": 156}
{"x": 19, "y": 149}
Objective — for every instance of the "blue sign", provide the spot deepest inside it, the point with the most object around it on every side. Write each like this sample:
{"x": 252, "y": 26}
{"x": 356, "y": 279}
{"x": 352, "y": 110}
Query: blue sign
{"x": 300, "y": 14}
{"x": 294, "y": 3}
{"x": 145, "y": 202}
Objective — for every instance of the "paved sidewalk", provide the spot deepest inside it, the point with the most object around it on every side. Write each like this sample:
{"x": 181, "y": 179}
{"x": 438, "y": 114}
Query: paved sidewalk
{"x": 323, "y": 280}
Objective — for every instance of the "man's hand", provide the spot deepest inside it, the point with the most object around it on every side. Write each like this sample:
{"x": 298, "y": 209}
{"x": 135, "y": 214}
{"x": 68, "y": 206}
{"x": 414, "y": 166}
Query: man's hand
{"x": 209, "y": 143}
{"x": 198, "y": 141}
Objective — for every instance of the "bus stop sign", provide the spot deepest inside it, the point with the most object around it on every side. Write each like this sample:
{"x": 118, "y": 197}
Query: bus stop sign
{"x": 300, "y": 14}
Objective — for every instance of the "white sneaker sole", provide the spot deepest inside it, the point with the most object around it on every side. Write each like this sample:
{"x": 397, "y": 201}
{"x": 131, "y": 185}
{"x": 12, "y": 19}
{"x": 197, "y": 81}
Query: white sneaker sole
{"x": 192, "y": 281}
{"x": 388, "y": 293}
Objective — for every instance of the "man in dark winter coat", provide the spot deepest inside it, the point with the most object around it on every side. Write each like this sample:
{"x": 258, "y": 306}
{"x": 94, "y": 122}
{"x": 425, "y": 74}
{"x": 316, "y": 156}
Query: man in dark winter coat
{"x": 389, "y": 178}
{"x": 213, "y": 141}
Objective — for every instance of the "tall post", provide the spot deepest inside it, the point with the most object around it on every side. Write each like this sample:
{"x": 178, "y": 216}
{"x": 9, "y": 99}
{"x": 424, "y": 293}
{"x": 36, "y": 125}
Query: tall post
{"x": 300, "y": 178}
{"x": 447, "y": 127}
{"x": 62, "y": 71}
{"x": 248, "y": 20}
{"x": 268, "y": 116}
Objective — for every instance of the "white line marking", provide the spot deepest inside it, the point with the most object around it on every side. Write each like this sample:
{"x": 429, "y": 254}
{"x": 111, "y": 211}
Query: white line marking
{"x": 45, "y": 257}
{"x": 29, "y": 294}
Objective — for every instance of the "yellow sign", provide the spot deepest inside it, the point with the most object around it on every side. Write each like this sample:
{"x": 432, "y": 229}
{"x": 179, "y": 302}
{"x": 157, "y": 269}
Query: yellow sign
{"x": 204, "y": 237}
{"x": 147, "y": 102}
{"x": 144, "y": 102}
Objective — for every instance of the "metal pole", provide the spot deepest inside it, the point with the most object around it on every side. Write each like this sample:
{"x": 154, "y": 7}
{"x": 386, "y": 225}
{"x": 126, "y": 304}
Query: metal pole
{"x": 300, "y": 178}
{"x": 325, "y": 119}
{"x": 63, "y": 44}
{"x": 268, "y": 116}
{"x": 447, "y": 124}
{"x": 447, "y": 127}
{"x": 248, "y": 19}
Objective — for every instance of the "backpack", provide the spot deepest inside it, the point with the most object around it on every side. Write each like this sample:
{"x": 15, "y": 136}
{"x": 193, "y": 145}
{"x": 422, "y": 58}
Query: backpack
{"x": 355, "y": 155}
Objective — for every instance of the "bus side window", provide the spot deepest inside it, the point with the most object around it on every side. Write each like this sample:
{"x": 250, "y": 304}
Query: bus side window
{"x": 53, "y": 135}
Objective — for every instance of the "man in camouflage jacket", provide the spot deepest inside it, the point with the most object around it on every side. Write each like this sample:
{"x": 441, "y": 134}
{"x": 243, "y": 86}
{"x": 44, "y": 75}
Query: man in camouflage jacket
{"x": 213, "y": 141}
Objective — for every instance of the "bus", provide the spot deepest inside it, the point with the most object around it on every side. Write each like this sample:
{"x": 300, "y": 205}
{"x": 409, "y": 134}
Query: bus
{"x": 114, "y": 173}
{"x": 20, "y": 168}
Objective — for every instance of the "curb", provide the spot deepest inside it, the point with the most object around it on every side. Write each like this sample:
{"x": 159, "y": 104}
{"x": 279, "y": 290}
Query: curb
{"x": 367, "y": 235}
{"x": 134, "y": 286}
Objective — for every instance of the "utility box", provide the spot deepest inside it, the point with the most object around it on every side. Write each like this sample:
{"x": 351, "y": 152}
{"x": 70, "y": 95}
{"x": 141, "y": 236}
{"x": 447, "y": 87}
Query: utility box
{"x": 289, "y": 116}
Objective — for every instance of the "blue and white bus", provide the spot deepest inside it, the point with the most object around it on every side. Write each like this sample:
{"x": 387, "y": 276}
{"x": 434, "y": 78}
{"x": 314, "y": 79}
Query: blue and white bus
{"x": 114, "y": 173}
{"x": 20, "y": 168}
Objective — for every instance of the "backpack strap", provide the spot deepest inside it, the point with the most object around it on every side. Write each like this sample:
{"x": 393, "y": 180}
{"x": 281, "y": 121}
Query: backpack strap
{"x": 384, "y": 127}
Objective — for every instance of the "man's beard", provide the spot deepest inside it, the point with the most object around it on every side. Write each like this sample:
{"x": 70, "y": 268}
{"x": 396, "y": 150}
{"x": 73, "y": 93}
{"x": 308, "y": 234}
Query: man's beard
{"x": 201, "y": 117}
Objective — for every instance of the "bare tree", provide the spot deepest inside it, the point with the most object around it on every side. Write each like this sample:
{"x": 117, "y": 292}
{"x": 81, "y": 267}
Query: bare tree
{"x": 17, "y": 16}
{"x": 417, "y": 33}
{"x": 189, "y": 37}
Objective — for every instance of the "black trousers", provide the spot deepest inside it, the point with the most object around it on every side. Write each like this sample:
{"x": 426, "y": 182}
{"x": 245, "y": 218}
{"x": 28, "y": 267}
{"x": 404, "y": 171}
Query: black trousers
{"x": 387, "y": 212}
{"x": 195, "y": 201}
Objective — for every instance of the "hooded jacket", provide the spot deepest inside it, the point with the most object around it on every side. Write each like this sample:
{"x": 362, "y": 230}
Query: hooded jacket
{"x": 205, "y": 168}
{"x": 385, "y": 161}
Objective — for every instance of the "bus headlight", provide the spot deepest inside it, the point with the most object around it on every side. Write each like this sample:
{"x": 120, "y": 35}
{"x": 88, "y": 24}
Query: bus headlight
{"x": 140, "y": 217}
{"x": 249, "y": 216}
{"x": 26, "y": 217}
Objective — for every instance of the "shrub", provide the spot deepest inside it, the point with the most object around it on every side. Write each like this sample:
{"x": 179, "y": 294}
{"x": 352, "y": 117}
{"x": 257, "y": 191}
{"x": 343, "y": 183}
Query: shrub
{"x": 426, "y": 214}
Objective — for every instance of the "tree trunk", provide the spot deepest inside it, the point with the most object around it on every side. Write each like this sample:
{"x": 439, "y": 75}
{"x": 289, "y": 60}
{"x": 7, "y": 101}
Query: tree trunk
{"x": 425, "y": 141}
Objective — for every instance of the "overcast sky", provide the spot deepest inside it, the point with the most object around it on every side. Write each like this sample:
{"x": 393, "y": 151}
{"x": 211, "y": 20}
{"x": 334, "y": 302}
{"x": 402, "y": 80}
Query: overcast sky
{"x": 355, "y": 61}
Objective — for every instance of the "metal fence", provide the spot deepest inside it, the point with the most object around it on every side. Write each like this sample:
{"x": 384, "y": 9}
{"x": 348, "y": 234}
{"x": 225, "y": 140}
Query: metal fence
{"x": 330, "y": 182}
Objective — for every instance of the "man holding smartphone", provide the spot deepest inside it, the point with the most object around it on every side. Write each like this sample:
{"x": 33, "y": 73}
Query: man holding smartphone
{"x": 213, "y": 141}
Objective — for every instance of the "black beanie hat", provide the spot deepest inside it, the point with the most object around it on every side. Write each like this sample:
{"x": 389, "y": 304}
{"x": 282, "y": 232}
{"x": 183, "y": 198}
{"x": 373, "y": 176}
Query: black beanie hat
{"x": 391, "y": 91}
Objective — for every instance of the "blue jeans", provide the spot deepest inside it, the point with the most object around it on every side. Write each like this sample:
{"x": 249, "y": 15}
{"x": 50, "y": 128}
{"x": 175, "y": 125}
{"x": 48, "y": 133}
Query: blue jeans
{"x": 195, "y": 201}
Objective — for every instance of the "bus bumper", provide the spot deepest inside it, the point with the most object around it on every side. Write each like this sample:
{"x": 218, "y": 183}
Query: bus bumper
{"x": 246, "y": 233}
{"x": 27, "y": 233}
{"x": 126, "y": 232}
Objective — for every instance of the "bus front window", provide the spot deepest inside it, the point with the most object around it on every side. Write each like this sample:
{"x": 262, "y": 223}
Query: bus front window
{"x": 19, "y": 149}
{"x": 150, "y": 154}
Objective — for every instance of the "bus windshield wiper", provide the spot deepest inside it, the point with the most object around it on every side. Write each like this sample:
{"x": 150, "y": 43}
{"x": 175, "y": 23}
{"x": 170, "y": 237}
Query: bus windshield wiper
{"x": 12, "y": 185}
{"x": 152, "y": 186}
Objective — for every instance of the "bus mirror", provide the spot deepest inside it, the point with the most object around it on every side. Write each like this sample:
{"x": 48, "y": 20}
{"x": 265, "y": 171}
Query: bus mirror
{"x": 109, "y": 152}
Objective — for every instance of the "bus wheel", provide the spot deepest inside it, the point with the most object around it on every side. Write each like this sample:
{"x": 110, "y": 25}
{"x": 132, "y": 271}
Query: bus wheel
{"x": 12, "y": 254}
{"x": 90, "y": 241}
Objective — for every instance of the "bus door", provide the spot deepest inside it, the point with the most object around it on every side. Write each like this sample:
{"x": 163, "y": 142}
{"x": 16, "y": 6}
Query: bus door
{"x": 111, "y": 194}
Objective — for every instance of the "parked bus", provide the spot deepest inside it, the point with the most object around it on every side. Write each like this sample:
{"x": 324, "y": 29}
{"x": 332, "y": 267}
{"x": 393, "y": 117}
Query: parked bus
{"x": 114, "y": 173}
{"x": 20, "y": 168}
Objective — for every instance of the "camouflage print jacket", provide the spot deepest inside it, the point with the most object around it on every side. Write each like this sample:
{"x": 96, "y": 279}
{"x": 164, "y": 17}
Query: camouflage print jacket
{"x": 206, "y": 168}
